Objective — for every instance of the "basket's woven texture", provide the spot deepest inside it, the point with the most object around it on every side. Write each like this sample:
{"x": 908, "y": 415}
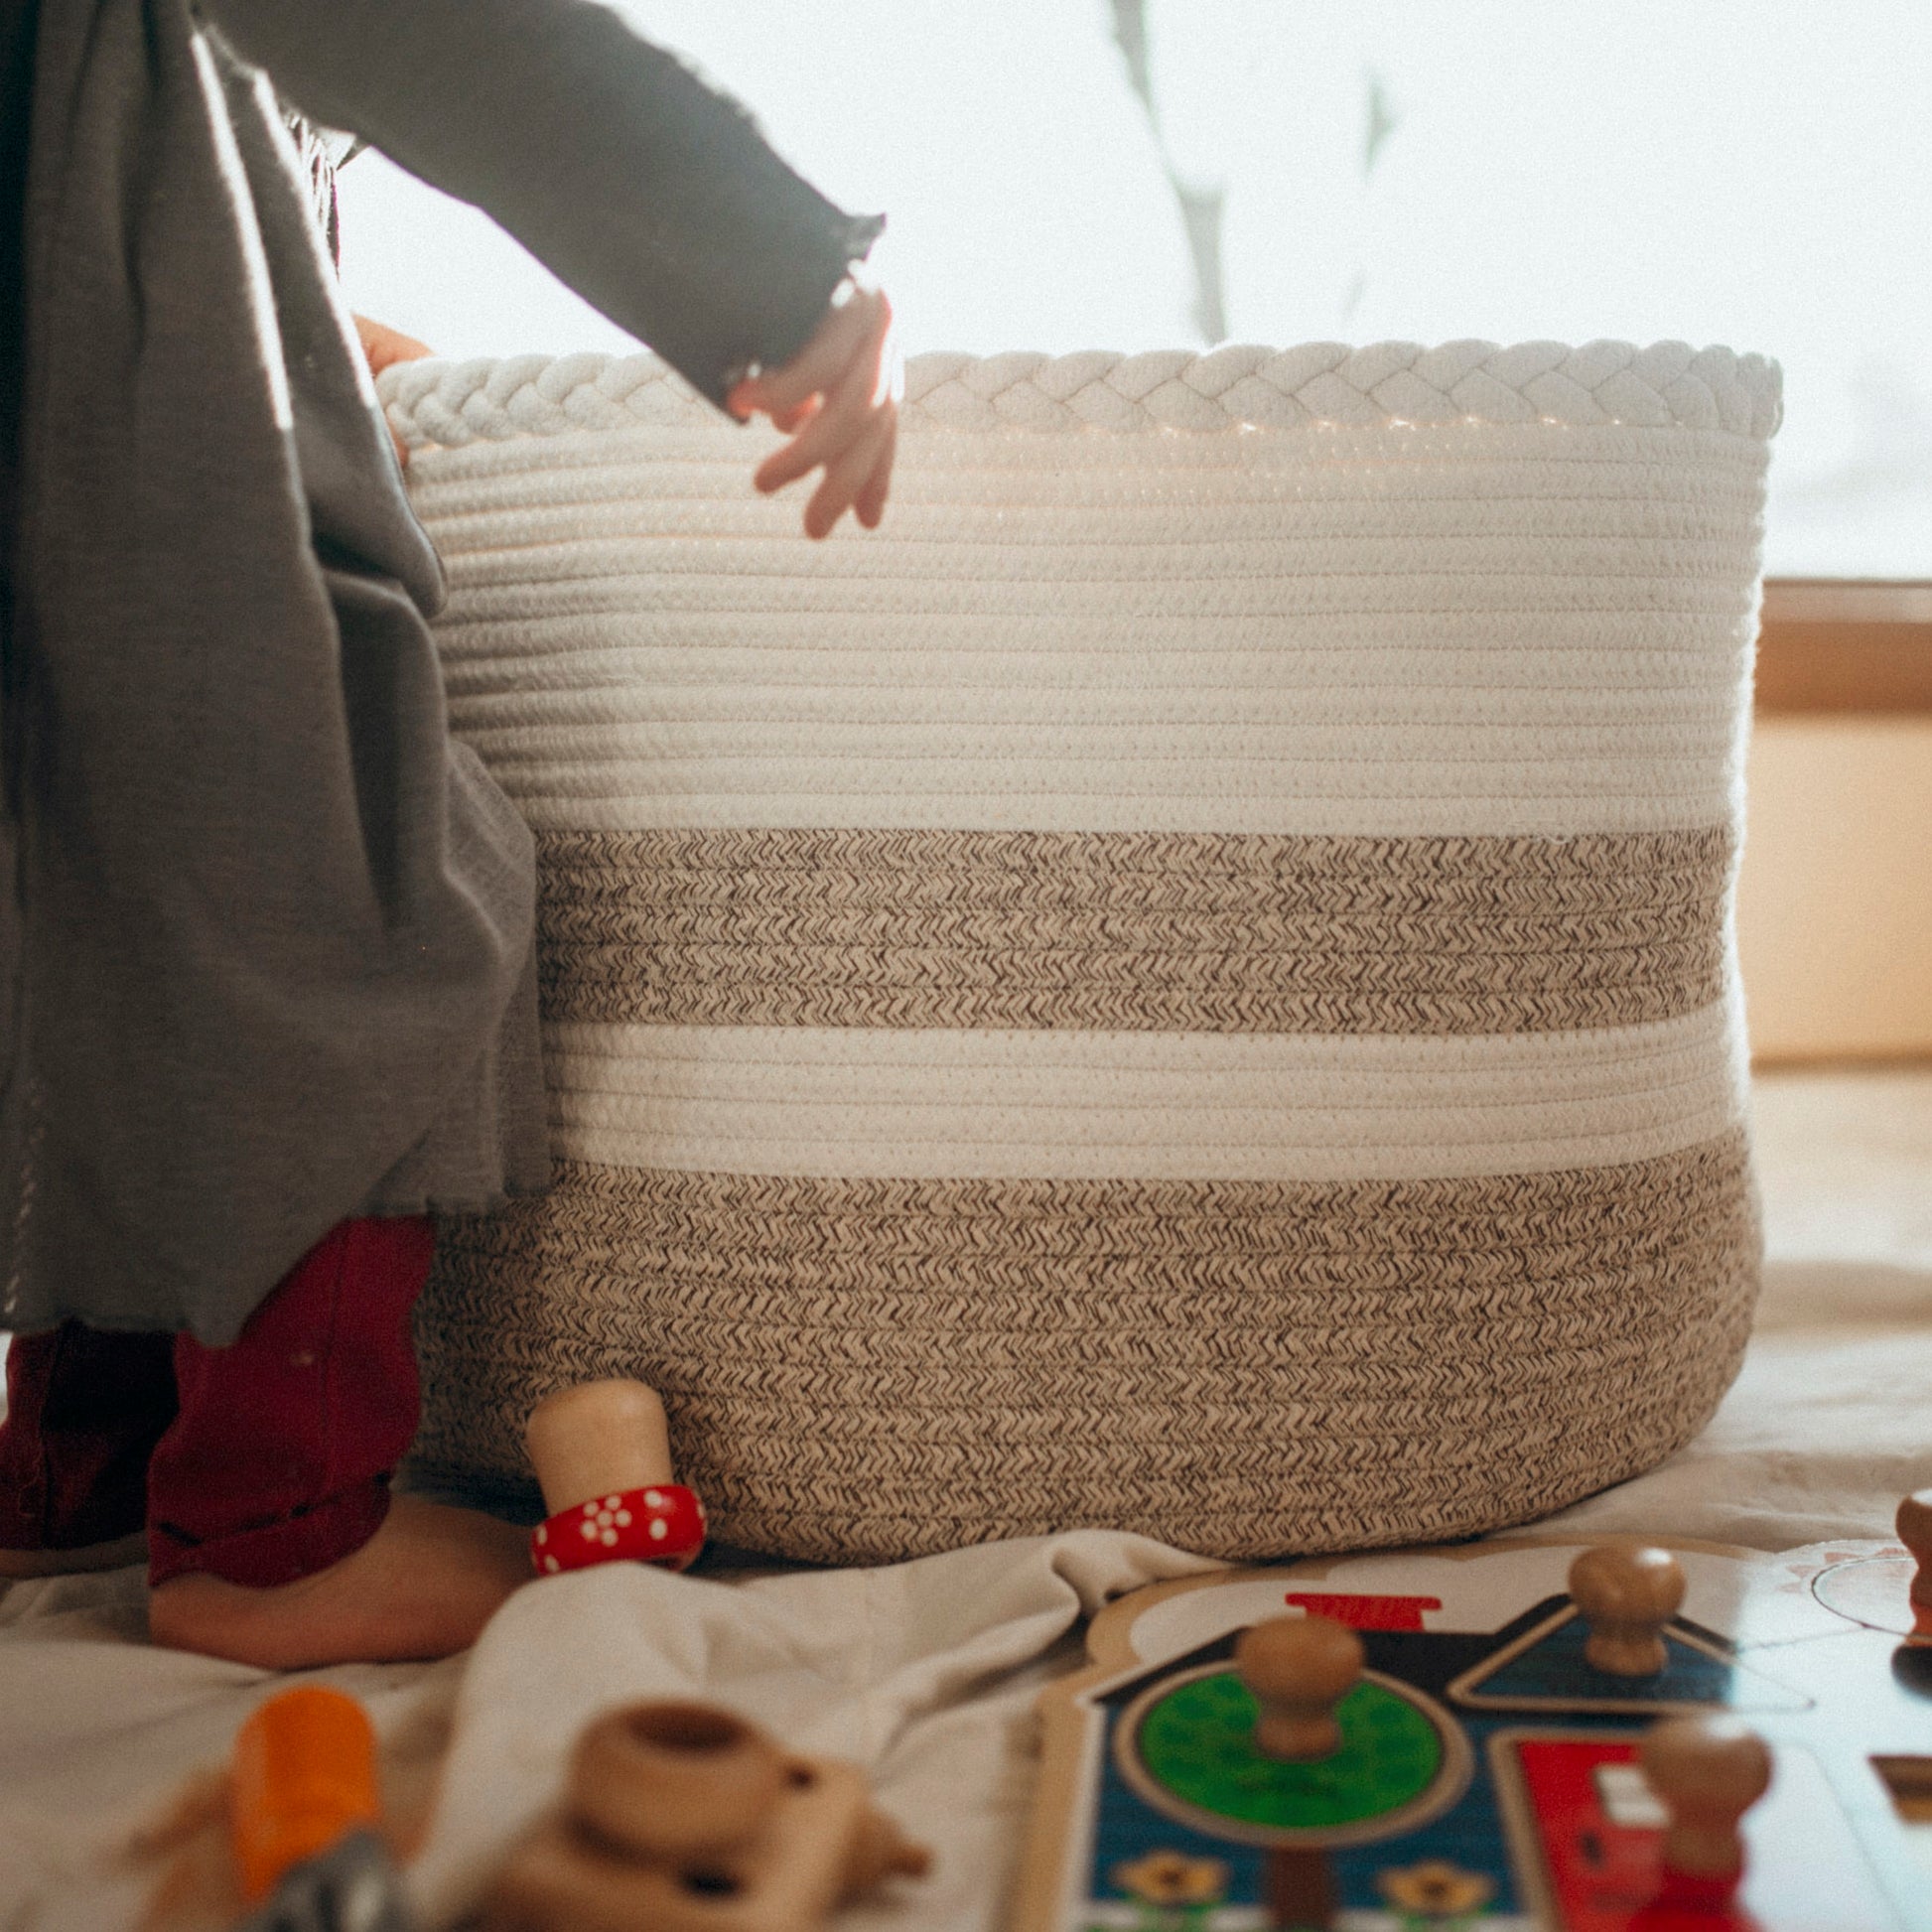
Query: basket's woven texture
{"x": 1184, "y": 984}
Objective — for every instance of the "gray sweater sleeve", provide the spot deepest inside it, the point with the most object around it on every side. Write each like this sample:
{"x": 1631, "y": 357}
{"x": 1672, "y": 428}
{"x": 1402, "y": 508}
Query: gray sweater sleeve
{"x": 653, "y": 197}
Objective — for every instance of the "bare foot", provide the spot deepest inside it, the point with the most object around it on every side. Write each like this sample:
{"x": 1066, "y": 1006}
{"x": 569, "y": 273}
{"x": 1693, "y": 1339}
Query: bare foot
{"x": 423, "y": 1585}
{"x": 67, "y": 1562}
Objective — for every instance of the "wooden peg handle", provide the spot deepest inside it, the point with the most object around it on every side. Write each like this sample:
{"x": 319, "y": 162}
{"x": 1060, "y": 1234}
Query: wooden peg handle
{"x": 1626, "y": 1595}
{"x": 1299, "y": 1668}
{"x": 1707, "y": 1772}
{"x": 597, "y": 1439}
{"x": 1916, "y": 1532}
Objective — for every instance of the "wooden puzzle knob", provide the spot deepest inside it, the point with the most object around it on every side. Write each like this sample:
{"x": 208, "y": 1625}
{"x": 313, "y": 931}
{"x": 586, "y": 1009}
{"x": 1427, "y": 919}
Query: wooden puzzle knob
{"x": 597, "y": 1440}
{"x": 1626, "y": 1595}
{"x": 1916, "y": 1532}
{"x": 1299, "y": 1669}
{"x": 1707, "y": 1773}
{"x": 675, "y": 1782}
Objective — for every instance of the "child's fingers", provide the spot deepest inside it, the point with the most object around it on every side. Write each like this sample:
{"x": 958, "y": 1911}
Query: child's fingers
{"x": 869, "y": 504}
{"x": 846, "y": 475}
{"x": 838, "y": 401}
{"x": 846, "y": 411}
{"x": 787, "y": 420}
{"x": 746, "y": 400}
{"x": 383, "y": 345}
{"x": 841, "y": 339}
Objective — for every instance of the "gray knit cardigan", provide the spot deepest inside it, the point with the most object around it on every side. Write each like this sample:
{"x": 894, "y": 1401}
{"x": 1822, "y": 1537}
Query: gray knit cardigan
{"x": 266, "y": 932}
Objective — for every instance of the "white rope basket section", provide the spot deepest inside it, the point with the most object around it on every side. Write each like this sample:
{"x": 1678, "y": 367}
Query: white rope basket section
{"x": 1241, "y": 387}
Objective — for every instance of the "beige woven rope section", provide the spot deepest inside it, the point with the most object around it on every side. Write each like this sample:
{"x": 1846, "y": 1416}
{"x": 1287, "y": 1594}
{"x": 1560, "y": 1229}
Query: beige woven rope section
{"x": 865, "y": 1370}
{"x": 1173, "y": 932}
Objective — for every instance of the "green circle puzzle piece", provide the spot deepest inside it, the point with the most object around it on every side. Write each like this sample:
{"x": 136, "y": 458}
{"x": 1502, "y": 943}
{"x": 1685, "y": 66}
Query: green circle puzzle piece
{"x": 1198, "y": 1741}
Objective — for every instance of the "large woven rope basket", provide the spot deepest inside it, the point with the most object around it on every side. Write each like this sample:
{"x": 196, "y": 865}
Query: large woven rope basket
{"x": 1184, "y": 983}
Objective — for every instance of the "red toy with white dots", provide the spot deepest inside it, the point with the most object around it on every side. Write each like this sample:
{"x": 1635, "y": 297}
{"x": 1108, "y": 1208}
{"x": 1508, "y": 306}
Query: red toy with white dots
{"x": 603, "y": 1455}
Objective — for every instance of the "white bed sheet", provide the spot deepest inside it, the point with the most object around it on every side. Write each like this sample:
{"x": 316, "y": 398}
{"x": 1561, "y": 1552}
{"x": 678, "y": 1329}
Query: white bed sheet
{"x": 926, "y": 1673}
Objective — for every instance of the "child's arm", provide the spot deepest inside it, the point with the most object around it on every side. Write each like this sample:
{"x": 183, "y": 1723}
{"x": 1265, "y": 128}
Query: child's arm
{"x": 655, "y": 197}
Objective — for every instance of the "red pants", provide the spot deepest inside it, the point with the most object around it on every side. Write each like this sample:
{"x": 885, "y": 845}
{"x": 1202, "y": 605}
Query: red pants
{"x": 261, "y": 1462}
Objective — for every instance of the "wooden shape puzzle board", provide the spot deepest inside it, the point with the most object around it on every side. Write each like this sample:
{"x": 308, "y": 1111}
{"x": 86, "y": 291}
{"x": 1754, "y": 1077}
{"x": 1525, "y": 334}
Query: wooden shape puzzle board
{"x": 1487, "y": 1777}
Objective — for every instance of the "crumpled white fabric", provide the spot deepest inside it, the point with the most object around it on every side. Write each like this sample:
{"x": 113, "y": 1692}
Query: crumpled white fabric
{"x": 926, "y": 1673}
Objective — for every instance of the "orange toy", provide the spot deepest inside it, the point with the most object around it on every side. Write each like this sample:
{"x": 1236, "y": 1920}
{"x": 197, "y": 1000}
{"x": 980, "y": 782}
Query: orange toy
{"x": 304, "y": 1774}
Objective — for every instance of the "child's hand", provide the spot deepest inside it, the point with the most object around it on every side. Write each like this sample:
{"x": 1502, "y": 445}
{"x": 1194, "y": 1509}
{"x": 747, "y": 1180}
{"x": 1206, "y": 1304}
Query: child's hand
{"x": 383, "y": 345}
{"x": 841, "y": 393}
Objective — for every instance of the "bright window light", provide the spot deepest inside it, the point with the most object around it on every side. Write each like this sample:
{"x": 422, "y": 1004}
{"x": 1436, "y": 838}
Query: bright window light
{"x": 1749, "y": 172}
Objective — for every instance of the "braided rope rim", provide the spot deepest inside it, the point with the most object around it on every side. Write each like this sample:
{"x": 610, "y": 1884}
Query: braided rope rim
{"x": 1242, "y": 386}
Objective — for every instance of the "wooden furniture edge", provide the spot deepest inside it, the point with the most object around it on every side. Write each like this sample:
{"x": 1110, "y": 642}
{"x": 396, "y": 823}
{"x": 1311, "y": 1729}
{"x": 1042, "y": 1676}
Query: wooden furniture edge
{"x": 1836, "y": 646}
